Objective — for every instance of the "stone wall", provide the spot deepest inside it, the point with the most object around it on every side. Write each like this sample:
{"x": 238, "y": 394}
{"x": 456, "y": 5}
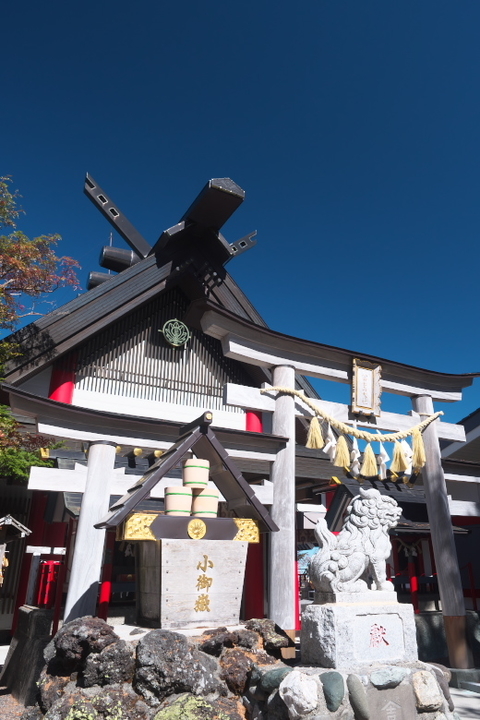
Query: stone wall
{"x": 431, "y": 640}
{"x": 375, "y": 692}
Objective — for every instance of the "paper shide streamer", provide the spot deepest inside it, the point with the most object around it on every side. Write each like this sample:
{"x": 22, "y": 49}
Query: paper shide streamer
{"x": 406, "y": 460}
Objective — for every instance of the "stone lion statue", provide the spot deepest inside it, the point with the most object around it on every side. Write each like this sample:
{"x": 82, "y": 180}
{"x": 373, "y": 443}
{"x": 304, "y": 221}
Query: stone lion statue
{"x": 347, "y": 561}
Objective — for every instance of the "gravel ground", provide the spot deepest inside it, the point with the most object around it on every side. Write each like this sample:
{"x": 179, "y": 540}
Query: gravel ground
{"x": 9, "y": 707}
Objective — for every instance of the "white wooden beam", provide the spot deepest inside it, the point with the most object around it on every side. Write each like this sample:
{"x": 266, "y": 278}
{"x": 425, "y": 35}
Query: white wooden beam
{"x": 57, "y": 480}
{"x": 473, "y": 434}
{"x": 175, "y": 412}
{"x": 464, "y": 508}
{"x": 145, "y": 443}
{"x": 251, "y": 398}
{"x": 400, "y": 389}
{"x": 452, "y": 477}
{"x": 255, "y": 354}
{"x": 87, "y": 436}
{"x": 238, "y": 350}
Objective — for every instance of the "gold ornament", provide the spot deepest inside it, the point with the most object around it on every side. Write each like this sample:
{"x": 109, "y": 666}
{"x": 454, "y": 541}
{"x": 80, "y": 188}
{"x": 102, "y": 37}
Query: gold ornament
{"x": 196, "y": 529}
{"x": 248, "y": 530}
{"x": 137, "y": 527}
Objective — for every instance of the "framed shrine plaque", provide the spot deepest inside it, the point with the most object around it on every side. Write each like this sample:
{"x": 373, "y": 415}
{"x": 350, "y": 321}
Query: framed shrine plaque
{"x": 366, "y": 390}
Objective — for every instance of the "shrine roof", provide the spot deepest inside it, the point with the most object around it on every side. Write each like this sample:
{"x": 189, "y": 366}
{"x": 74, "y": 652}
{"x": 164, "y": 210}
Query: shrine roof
{"x": 86, "y": 421}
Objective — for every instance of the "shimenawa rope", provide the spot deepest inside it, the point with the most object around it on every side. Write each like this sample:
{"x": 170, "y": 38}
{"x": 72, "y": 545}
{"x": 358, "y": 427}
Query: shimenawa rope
{"x": 315, "y": 437}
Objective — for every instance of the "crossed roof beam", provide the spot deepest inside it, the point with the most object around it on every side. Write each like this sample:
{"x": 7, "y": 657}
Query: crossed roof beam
{"x": 199, "y": 226}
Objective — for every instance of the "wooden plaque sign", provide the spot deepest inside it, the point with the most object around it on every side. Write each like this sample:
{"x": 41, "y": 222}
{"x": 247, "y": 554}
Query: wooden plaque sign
{"x": 190, "y": 583}
{"x": 366, "y": 388}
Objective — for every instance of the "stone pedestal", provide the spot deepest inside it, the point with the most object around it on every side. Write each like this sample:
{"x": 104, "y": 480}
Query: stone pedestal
{"x": 358, "y": 628}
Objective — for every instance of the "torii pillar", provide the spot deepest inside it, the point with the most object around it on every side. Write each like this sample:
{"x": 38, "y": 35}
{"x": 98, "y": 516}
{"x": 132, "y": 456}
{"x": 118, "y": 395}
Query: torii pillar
{"x": 440, "y": 521}
{"x": 282, "y": 585}
{"x": 89, "y": 542}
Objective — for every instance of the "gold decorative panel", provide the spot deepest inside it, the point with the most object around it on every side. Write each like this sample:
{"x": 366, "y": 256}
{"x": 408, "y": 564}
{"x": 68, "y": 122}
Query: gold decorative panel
{"x": 248, "y": 530}
{"x": 137, "y": 527}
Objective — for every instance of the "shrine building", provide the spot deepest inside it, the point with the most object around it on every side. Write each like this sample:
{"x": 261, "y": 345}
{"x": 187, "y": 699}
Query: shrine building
{"x": 169, "y": 336}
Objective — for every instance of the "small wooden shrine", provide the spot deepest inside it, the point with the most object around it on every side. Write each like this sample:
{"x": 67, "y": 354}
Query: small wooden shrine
{"x": 191, "y": 569}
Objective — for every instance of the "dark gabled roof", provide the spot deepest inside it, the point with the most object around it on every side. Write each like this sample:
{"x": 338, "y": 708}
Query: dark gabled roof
{"x": 191, "y": 253}
{"x": 67, "y": 327}
{"x": 96, "y": 421}
{"x": 11, "y": 529}
{"x": 64, "y": 329}
{"x": 410, "y": 527}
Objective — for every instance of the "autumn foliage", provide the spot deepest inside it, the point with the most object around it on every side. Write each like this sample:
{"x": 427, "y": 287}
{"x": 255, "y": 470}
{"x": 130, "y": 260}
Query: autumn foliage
{"x": 28, "y": 267}
{"x": 29, "y": 271}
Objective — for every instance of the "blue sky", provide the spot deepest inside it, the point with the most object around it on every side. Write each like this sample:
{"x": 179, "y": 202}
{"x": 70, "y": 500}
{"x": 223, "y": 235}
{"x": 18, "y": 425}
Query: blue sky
{"x": 352, "y": 126}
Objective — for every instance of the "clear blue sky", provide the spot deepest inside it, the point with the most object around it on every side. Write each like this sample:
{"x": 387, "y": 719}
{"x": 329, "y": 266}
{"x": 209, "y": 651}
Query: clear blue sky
{"x": 354, "y": 128}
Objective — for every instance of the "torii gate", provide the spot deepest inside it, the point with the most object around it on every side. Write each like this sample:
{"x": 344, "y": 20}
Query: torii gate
{"x": 285, "y": 356}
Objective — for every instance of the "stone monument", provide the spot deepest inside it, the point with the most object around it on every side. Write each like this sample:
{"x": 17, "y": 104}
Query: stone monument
{"x": 356, "y": 617}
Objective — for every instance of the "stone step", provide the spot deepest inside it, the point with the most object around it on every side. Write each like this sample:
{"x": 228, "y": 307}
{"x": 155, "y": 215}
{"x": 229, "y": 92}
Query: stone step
{"x": 472, "y": 686}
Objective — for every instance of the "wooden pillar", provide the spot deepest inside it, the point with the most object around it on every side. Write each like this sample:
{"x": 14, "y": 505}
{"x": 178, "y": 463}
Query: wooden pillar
{"x": 253, "y": 421}
{"x": 254, "y": 581}
{"x": 88, "y": 553}
{"x": 62, "y": 382}
{"x": 282, "y": 543}
{"x": 449, "y": 580}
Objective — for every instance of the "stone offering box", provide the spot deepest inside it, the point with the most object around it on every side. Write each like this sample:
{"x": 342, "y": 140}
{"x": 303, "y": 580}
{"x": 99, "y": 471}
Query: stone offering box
{"x": 190, "y": 570}
{"x": 350, "y": 629}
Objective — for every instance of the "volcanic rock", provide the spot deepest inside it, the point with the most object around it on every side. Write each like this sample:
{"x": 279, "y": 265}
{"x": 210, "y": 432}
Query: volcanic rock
{"x": 217, "y": 640}
{"x": 114, "y": 664}
{"x": 274, "y": 638}
{"x": 236, "y": 666}
{"x": 76, "y": 640}
{"x": 168, "y": 664}
{"x": 189, "y": 707}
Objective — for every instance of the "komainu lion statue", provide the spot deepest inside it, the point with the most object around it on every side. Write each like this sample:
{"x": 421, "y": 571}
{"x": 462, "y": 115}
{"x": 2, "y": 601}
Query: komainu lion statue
{"x": 346, "y": 562}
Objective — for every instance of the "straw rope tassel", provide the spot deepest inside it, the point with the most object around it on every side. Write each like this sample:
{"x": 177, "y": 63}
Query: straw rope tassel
{"x": 399, "y": 462}
{"x": 419, "y": 458}
{"x": 342, "y": 453}
{"x": 369, "y": 467}
{"x": 343, "y": 428}
{"x": 315, "y": 439}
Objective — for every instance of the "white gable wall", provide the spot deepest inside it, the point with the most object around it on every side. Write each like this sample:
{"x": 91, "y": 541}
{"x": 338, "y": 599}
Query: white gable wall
{"x": 159, "y": 410}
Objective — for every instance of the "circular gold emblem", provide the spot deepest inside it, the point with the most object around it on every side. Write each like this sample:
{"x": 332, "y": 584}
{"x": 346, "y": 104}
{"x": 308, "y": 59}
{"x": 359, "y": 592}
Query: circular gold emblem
{"x": 176, "y": 333}
{"x": 196, "y": 529}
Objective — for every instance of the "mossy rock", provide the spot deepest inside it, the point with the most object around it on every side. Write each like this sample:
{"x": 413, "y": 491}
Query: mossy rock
{"x": 190, "y": 707}
{"x": 82, "y": 711}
